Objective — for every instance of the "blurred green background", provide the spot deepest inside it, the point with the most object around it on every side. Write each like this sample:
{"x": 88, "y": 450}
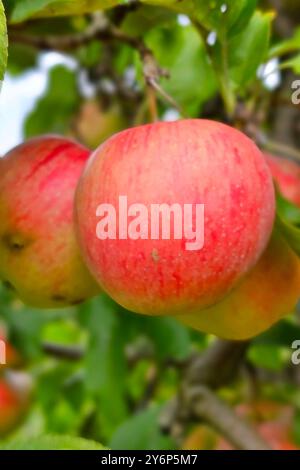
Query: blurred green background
{"x": 97, "y": 371}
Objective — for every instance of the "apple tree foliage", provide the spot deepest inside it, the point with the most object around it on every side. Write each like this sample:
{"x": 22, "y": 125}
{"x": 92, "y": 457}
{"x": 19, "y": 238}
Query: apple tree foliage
{"x": 128, "y": 367}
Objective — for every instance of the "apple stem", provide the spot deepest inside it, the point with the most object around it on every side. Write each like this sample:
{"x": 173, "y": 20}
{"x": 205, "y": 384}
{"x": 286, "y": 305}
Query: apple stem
{"x": 152, "y": 103}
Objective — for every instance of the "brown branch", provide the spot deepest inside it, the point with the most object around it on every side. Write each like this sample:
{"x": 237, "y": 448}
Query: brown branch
{"x": 196, "y": 400}
{"x": 100, "y": 29}
{"x": 207, "y": 406}
{"x": 218, "y": 365}
{"x": 71, "y": 353}
{"x": 250, "y": 121}
{"x": 152, "y": 382}
{"x": 152, "y": 103}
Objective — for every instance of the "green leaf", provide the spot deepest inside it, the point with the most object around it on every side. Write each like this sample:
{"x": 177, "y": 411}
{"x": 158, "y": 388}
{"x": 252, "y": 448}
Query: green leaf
{"x": 287, "y": 210}
{"x": 26, "y": 326}
{"x": 52, "y": 443}
{"x": 141, "y": 432}
{"x": 288, "y": 221}
{"x": 139, "y": 22}
{"x": 211, "y": 13}
{"x": 60, "y": 388}
{"x": 281, "y": 334}
{"x": 65, "y": 332}
{"x": 268, "y": 356}
{"x": 24, "y": 9}
{"x": 3, "y": 42}
{"x": 293, "y": 63}
{"x": 244, "y": 11}
{"x": 106, "y": 367}
{"x": 171, "y": 339}
{"x": 287, "y": 46}
{"x": 55, "y": 110}
{"x": 21, "y": 58}
{"x": 178, "y": 50}
{"x": 291, "y": 234}
{"x": 248, "y": 50}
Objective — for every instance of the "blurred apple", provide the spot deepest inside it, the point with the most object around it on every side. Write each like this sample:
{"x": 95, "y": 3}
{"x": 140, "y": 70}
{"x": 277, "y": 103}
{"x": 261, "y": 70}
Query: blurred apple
{"x": 286, "y": 175}
{"x": 94, "y": 124}
{"x": 201, "y": 438}
{"x": 15, "y": 399}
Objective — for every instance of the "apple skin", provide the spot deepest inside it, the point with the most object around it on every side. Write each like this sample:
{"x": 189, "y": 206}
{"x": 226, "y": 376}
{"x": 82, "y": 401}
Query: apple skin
{"x": 183, "y": 162}
{"x": 286, "y": 174}
{"x": 268, "y": 292}
{"x": 39, "y": 254}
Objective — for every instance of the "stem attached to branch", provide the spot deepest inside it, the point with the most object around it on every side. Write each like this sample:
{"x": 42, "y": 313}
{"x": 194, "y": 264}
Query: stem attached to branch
{"x": 152, "y": 103}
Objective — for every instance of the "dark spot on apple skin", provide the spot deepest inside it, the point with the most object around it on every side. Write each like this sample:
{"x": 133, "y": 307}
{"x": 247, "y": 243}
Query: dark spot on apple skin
{"x": 14, "y": 243}
{"x": 155, "y": 255}
{"x": 9, "y": 286}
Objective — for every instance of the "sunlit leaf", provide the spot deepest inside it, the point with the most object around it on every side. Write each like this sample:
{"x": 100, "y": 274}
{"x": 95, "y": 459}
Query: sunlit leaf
{"x": 248, "y": 49}
{"x": 24, "y": 9}
{"x": 215, "y": 15}
{"x": 288, "y": 45}
{"x": 52, "y": 443}
{"x": 268, "y": 356}
{"x": 3, "y": 42}
{"x": 293, "y": 63}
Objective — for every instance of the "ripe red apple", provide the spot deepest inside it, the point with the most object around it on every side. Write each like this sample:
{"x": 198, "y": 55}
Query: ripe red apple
{"x": 39, "y": 255}
{"x": 268, "y": 292}
{"x": 286, "y": 174}
{"x": 185, "y": 162}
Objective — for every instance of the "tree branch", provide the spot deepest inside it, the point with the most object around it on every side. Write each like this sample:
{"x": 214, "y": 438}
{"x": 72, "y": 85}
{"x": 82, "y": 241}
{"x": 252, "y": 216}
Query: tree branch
{"x": 71, "y": 353}
{"x": 196, "y": 400}
{"x": 207, "y": 406}
{"x": 100, "y": 29}
{"x": 218, "y": 365}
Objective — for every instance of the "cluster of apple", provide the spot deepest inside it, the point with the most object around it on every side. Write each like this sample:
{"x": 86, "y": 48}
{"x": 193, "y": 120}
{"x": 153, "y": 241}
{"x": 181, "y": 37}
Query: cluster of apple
{"x": 243, "y": 279}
